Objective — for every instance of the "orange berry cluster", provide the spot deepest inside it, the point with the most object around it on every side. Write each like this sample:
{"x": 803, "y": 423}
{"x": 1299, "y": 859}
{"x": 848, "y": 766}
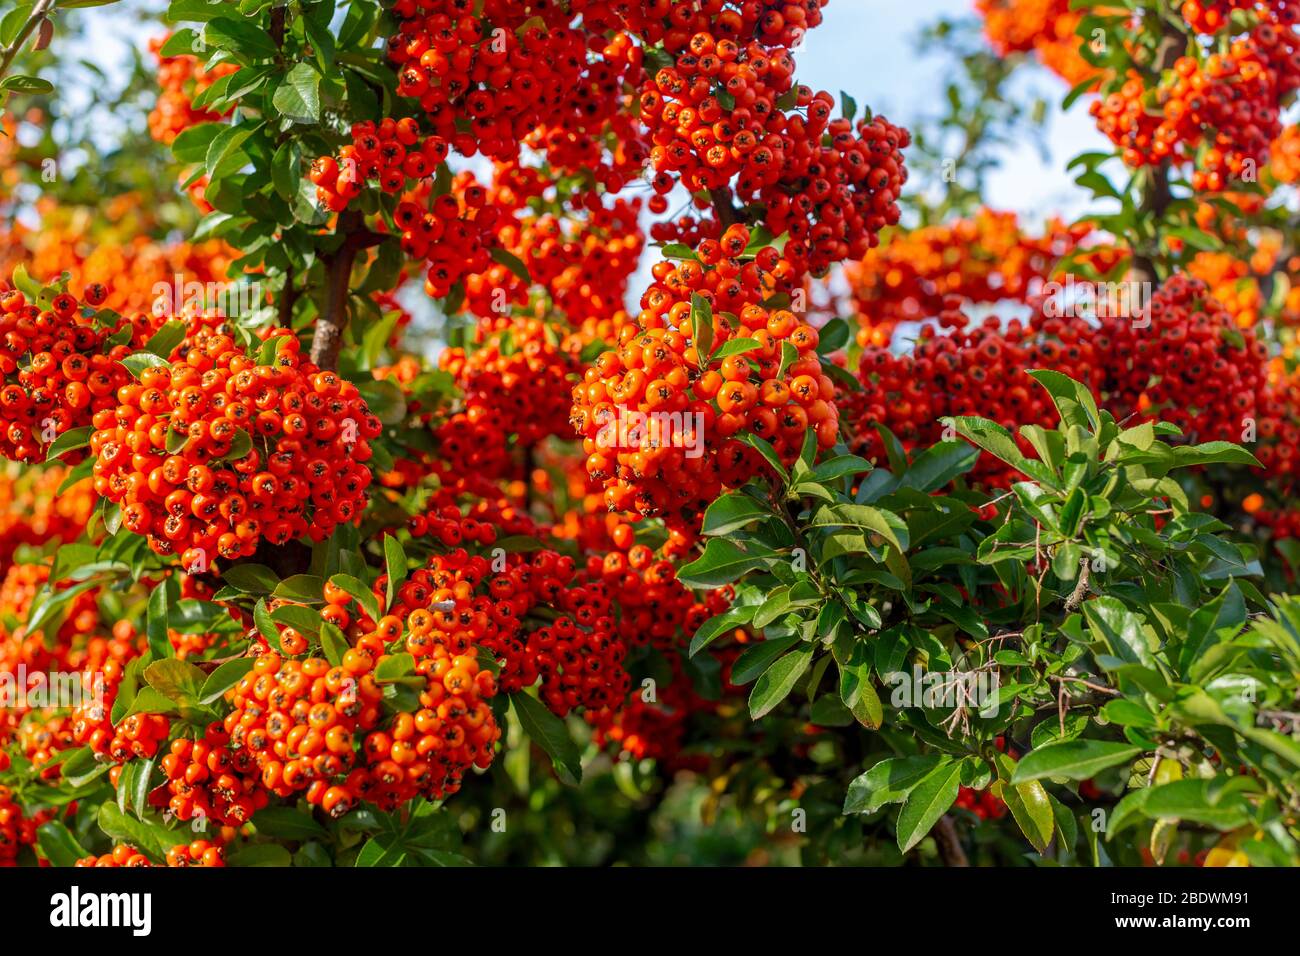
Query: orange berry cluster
{"x": 300, "y": 468}
{"x": 33, "y": 512}
{"x": 494, "y": 65}
{"x": 984, "y": 259}
{"x": 391, "y": 152}
{"x": 198, "y": 853}
{"x": 1142, "y": 366}
{"x": 646, "y": 412}
{"x": 17, "y": 830}
{"x": 56, "y": 369}
{"x": 1219, "y": 114}
{"x": 1046, "y": 28}
{"x": 830, "y": 185}
{"x": 577, "y": 655}
{"x": 519, "y": 366}
{"x": 581, "y": 251}
{"x": 180, "y": 80}
{"x": 301, "y": 722}
{"x": 208, "y": 781}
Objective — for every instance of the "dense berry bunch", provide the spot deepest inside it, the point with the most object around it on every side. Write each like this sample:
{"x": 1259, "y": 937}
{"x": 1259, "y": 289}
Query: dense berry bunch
{"x": 502, "y": 73}
{"x": 211, "y": 455}
{"x": 181, "y": 79}
{"x": 646, "y": 410}
{"x": 33, "y": 511}
{"x": 389, "y": 152}
{"x": 983, "y": 259}
{"x": 515, "y": 382}
{"x": 575, "y": 652}
{"x": 1044, "y": 27}
{"x": 58, "y": 371}
{"x": 301, "y": 721}
{"x": 828, "y": 184}
{"x": 1153, "y": 363}
{"x": 1219, "y": 114}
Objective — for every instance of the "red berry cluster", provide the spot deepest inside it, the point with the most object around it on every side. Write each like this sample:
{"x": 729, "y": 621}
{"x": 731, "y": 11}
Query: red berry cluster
{"x": 301, "y": 722}
{"x": 646, "y": 411}
{"x": 1152, "y": 364}
{"x": 521, "y": 366}
{"x": 1219, "y": 113}
{"x": 57, "y": 368}
{"x": 207, "y": 781}
{"x": 211, "y": 455}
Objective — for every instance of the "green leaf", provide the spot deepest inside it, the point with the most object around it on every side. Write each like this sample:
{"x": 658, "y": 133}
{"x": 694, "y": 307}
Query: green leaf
{"x": 721, "y": 563}
{"x": 759, "y": 656}
{"x": 1028, "y": 802}
{"x": 58, "y": 845}
{"x": 298, "y": 97}
{"x": 702, "y": 328}
{"x": 549, "y": 732}
{"x": 334, "y": 644}
{"x": 251, "y": 578}
{"x": 775, "y": 683}
{"x": 137, "y": 362}
{"x": 176, "y": 680}
{"x": 166, "y": 339}
{"x": 926, "y": 803}
{"x": 718, "y": 625}
{"x": 70, "y": 440}
{"x": 512, "y": 263}
{"x": 148, "y": 837}
{"x": 364, "y": 595}
{"x": 287, "y": 823}
{"x": 889, "y": 781}
{"x": 395, "y": 565}
{"x": 938, "y": 465}
{"x": 224, "y": 678}
{"x": 242, "y": 37}
{"x": 302, "y": 588}
{"x": 764, "y": 448}
{"x": 864, "y": 518}
{"x": 1074, "y": 401}
{"x": 1073, "y": 760}
{"x": 286, "y": 170}
{"x": 731, "y": 512}
{"x": 1119, "y": 628}
{"x": 156, "y": 622}
{"x": 736, "y": 346}
{"x": 261, "y": 854}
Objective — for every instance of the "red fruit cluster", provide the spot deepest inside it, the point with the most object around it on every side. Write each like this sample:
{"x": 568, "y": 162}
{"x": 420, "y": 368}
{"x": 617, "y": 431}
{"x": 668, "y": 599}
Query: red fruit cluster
{"x": 646, "y": 410}
{"x": 719, "y": 113}
{"x": 213, "y": 454}
{"x": 17, "y": 830}
{"x": 58, "y": 371}
{"x": 1140, "y": 366}
{"x": 983, "y": 803}
{"x": 1220, "y": 113}
{"x": 389, "y": 152}
{"x": 576, "y": 654}
{"x": 302, "y": 721}
{"x": 207, "y": 781}
{"x": 985, "y": 258}
{"x": 180, "y": 80}
{"x": 521, "y": 366}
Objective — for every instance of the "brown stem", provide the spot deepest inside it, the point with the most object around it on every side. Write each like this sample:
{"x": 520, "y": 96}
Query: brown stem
{"x": 723, "y": 207}
{"x": 950, "y": 848}
{"x": 327, "y": 339}
{"x": 34, "y": 20}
